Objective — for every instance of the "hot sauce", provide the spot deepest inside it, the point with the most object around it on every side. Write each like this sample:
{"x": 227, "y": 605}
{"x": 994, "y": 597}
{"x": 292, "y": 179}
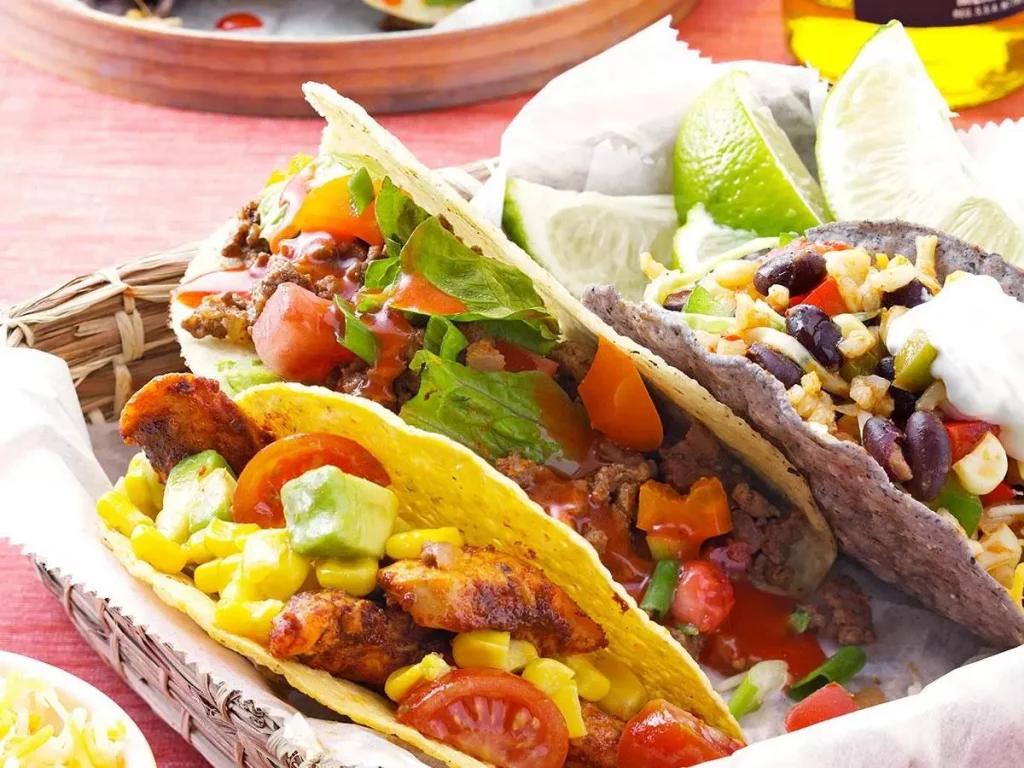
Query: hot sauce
{"x": 417, "y": 294}
{"x": 392, "y": 333}
{"x": 234, "y": 280}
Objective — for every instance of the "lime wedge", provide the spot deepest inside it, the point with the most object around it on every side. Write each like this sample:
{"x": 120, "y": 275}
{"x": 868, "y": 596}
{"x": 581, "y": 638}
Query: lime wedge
{"x": 887, "y": 149}
{"x": 734, "y": 159}
{"x": 586, "y": 238}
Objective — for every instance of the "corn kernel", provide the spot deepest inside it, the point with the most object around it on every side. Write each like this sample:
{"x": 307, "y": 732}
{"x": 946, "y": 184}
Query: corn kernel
{"x": 240, "y": 589}
{"x": 520, "y": 653}
{"x": 981, "y": 470}
{"x": 404, "y": 546}
{"x": 481, "y": 648}
{"x": 881, "y": 260}
{"x": 592, "y": 685}
{"x": 269, "y": 563}
{"x": 1017, "y": 585}
{"x": 143, "y": 486}
{"x": 735, "y": 275}
{"x": 627, "y": 694}
{"x": 215, "y": 575}
{"x": 196, "y": 550}
{"x": 357, "y": 577}
{"x": 556, "y": 680}
{"x": 403, "y": 680}
{"x": 119, "y": 513}
{"x": 252, "y": 619}
{"x": 153, "y": 547}
{"x": 224, "y": 539}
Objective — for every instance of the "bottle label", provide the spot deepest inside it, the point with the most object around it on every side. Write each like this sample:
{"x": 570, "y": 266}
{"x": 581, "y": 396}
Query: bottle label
{"x": 935, "y": 13}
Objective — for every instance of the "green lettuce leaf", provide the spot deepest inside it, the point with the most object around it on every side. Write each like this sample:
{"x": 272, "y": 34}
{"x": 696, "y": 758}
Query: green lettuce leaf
{"x": 360, "y": 188}
{"x": 397, "y": 216}
{"x": 380, "y": 273}
{"x": 357, "y": 337}
{"x": 494, "y": 414}
{"x": 443, "y": 338}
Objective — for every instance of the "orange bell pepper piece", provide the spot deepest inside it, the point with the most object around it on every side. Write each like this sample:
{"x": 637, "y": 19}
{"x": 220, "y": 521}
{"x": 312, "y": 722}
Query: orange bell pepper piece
{"x": 677, "y": 525}
{"x": 327, "y": 208}
{"x": 827, "y": 298}
{"x": 618, "y": 402}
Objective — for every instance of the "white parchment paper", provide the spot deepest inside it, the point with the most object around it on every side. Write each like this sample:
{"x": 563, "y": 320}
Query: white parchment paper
{"x": 49, "y": 480}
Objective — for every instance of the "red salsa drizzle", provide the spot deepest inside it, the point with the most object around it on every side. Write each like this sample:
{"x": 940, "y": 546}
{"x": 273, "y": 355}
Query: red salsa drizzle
{"x": 317, "y": 255}
{"x": 417, "y": 294}
{"x": 238, "y": 20}
{"x": 233, "y": 280}
{"x": 392, "y": 333}
{"x": 758, "y": 629}
{"x": 292, "y": 196}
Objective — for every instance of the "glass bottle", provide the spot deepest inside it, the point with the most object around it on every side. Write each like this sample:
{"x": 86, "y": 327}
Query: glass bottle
{"x": 973, "y": 49}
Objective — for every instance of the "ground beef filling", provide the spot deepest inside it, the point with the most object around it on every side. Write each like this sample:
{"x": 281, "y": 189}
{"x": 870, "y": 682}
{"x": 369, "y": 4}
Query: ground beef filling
{"x": 843, "y": 612}
{"x": 246, "y": 243}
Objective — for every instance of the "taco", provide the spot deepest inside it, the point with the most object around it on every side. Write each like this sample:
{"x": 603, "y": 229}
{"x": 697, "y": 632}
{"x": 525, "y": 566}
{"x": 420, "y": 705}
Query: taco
{"x": 885, "y": 360}
{"x": 396, "y": 578}
{"x": 357, "y": 271}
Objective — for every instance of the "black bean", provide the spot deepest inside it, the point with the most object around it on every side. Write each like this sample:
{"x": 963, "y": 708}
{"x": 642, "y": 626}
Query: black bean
{"x": 676, "y": 301}
{"x": 797, "y": 266}
{"x": 910, "y": 295}
{"x": 903, "y": 403}
{"x": 884, "y": 441}
{"x": 928, "y": 453}
{"x": 815, "y": 330}
{"x": 886, "y": 367}
{"x": 778, "y": 365}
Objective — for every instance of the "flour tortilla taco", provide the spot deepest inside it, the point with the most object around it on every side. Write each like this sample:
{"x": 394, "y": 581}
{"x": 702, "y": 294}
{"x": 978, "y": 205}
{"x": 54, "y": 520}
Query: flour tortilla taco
{"x": 359, "y": 271}
{"x": 394, "y": 576}
{"x": 885, "y": 360}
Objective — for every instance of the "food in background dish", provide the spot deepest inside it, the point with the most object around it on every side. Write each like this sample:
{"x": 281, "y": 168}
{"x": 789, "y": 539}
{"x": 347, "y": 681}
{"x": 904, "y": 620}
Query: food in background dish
{"x": 423, "y": 13}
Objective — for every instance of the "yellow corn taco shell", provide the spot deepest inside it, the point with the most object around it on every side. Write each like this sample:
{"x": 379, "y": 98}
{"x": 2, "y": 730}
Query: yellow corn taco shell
{"x": 351, "y": 131}
{"x": 442, "y": 483}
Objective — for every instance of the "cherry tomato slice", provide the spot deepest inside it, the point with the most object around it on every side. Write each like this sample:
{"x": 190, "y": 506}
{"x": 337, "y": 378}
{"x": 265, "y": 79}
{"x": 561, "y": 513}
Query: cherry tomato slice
{"x": 661, "y": 735}
{"x": 296, "y": 335}
{"x": 258, "y": 495}
{"x": 824, "y": 704}
{"x": 704, "y": 596}
{"x": 492, "y": 715}
{"x": 618, "y": 402}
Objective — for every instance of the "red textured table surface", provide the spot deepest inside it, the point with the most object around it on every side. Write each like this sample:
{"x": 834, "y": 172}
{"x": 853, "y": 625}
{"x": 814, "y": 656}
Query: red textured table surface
{"x": 89, "y": 180}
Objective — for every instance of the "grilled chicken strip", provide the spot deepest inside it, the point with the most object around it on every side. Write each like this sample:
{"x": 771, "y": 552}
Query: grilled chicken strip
{"x": 600, "y": 747}
{"x": 483, "y": 589}
{"x": 351, "y": 637}
{"x": 179, "y": 414}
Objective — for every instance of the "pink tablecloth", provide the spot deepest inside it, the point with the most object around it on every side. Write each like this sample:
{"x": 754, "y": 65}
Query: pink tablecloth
{"x": 89, "y": 180}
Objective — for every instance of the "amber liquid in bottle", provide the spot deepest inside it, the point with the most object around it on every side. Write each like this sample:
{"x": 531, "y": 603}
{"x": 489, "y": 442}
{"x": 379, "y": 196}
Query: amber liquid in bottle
{"x": 973, "y": 49}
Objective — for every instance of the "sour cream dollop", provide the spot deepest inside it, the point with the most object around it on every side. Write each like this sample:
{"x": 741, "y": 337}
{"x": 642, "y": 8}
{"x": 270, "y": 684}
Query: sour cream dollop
{"x": 978, "y": 331}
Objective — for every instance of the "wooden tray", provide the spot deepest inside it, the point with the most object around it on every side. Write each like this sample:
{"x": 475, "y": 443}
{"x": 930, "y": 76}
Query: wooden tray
{"x": 387, "y": 72}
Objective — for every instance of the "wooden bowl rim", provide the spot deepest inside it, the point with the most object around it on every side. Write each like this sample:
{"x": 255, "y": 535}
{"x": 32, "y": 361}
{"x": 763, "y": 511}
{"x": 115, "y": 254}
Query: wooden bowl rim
{"x": 165, "y": 31}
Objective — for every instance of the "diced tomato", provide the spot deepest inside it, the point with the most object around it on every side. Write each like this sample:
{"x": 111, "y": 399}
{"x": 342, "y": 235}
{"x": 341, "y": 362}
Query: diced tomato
{"x": 618, "y": 402}
{"x": 258, "y": 495}
{"x": 826, "y": 297}
{"x": 824, "y": 704}
{"x": 297, "y": 335}
{"x": 704, "y": 596}
{"x": 328, "y": 208}
{"x": 964, "y": 436}
{"x": 1003, "y": 493}
{"x": 518, "y": 359}
{"x": 682, "y": 523}
{"x": 492, "y": 715}
{"x": 661, "y": 735}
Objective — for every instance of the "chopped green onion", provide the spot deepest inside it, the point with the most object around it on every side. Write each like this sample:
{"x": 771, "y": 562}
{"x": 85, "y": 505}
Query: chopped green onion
{"x": 658, "y": 596}
{"x": 844, "y": 664}
{"x": 360, "y": 190}
{"x": 800, "y": 621}
{"x": 763, "y": 679}
{"x": 357, "y": 338}
{"x": 688, "y": 629}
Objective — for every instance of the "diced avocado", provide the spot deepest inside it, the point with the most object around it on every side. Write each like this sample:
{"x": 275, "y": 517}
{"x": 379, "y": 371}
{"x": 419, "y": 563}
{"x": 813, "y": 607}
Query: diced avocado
{"x": 701, "y": 302}
{"x": 182, "y": 491}
{"x": 239, "y": 376}
{"x": 914, "y": 363}
{"x": 331, "y": 514}
{"x": 213, "y": 495}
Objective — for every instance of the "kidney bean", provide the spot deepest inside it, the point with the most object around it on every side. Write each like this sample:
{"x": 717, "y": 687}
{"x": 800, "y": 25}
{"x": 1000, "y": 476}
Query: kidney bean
{"x": 903, "y": 403}
{"x": 884, "y": 441}
{"x": 797, "y": 266}
{"x": 676, "y": 301}
{"x": 929, "y": 455}
{"x": 886, "y": 367}
{"x": 778, "y": 365}
{"x": 910, "y": 295}
{"x": 814, "y": 329}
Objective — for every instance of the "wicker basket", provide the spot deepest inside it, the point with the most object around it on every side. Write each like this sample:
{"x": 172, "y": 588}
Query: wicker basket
{"x": 111, "y": 329}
